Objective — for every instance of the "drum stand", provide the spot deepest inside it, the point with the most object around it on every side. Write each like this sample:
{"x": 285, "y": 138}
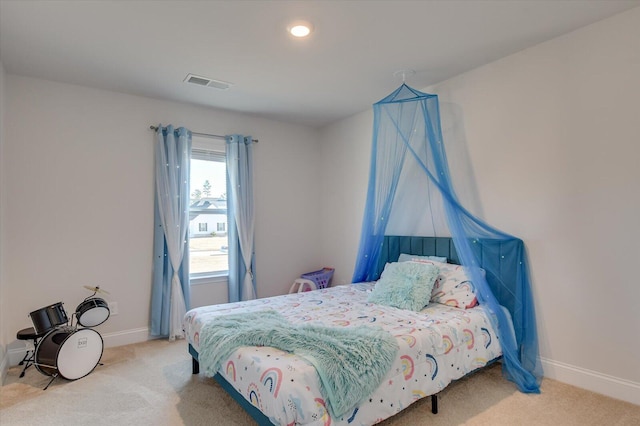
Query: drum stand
{"x": 55, "y": 376}
{"x": 29, "y": 357}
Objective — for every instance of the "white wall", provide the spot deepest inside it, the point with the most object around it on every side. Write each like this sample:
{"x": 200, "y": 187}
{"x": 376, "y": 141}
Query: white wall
{"x": 345, "y": 157}
{"x": 4, "y": 336}
{"x": 553, "y": 136}
{"x": 78, "y": 199}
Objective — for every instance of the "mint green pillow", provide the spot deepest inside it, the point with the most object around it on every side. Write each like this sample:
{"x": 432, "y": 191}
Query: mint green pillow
{"x": 405, "y": 285}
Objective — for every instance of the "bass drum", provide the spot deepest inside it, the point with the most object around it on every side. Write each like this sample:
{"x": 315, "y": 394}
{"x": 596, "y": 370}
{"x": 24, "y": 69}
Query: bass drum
{"x": 92, "y": 312}
{"x": 69, "y": 353}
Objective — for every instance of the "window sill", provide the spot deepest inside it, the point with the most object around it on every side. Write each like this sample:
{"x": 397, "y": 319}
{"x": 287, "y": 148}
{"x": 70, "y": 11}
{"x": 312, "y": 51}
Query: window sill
{"x": 209, "y": 279}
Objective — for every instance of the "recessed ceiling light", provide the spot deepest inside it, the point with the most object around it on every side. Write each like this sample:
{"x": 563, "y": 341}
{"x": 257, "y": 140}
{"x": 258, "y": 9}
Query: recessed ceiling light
{"x": 300, "y": 28}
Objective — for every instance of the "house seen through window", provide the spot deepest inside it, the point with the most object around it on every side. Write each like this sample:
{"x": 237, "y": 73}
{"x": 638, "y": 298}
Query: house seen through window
{"x": 208, "y": 243}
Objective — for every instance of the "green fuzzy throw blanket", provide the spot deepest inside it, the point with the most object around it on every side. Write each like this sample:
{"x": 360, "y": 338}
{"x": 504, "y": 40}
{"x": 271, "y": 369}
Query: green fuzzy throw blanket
{"x": 351, "y": 362}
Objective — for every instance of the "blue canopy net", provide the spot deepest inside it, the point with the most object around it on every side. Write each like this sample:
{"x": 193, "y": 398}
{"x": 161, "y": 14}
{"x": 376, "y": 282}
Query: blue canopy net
{"x": 409, "y": 152}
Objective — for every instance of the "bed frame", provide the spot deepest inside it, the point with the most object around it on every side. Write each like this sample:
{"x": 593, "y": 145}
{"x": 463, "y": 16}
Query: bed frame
{"x": 392, "y": 247}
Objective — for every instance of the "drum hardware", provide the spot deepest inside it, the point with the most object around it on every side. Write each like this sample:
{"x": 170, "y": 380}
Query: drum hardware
{"x": 29, "y": 357}
{"x": 55, "y": 376}
{"x": 95, "y": 290}
{"x": 60, "y": 348}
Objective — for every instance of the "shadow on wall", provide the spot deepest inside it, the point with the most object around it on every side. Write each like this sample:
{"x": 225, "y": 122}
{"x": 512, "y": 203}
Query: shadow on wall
{"x": 460, "y": 166}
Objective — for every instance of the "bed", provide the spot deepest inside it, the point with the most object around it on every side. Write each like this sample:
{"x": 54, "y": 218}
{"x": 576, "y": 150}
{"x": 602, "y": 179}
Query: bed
{"x": 436, "y": 345}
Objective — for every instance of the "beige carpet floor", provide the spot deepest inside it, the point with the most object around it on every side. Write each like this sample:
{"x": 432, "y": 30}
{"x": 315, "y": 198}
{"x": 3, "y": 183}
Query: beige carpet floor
{"x": 151, "y": 384}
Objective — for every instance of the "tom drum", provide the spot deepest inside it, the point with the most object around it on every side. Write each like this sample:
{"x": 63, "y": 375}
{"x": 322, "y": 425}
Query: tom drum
{"x": 49, "y": 317}
{"x": 70, "y": 353}
{"x": 92, "y": 312}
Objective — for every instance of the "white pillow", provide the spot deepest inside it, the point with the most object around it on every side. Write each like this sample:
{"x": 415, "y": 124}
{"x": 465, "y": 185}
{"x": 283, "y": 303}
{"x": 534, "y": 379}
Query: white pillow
{"x": 404, "y": 257}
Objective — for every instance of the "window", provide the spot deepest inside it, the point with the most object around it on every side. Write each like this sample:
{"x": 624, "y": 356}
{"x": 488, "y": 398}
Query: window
{"x": 208, "y": 255}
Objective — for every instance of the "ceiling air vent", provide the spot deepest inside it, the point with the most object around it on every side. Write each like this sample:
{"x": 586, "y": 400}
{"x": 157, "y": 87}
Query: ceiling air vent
{"x": 207, "y": 82}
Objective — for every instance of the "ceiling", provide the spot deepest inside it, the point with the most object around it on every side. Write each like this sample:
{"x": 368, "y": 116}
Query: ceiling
{"x": 148, "y": 47}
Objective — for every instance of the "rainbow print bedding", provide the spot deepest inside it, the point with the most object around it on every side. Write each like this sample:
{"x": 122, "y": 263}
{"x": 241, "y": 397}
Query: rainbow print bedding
{"x": 437, "y": 345}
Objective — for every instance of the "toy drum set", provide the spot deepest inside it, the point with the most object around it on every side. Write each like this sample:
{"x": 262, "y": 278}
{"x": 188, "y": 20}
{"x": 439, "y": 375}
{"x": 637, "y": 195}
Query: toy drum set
{"x": 62, "y": 348}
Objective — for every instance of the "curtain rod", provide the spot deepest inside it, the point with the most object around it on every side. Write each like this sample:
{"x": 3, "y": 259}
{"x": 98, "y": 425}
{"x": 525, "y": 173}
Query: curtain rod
{"x": 206, "y": 135}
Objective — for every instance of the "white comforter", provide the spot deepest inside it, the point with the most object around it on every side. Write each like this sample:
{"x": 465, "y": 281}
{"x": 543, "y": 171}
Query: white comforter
{"x": 437, "y": 345}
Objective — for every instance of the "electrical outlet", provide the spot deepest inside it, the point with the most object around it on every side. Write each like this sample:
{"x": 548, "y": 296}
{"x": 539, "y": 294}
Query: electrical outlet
{"x": 113, "y": 308}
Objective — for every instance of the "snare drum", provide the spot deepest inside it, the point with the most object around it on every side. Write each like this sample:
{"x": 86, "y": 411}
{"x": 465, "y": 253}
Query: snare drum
{"x": 49, "y": 317}
{"x": 69, "y": 353}
{"x": 92, "y": 312}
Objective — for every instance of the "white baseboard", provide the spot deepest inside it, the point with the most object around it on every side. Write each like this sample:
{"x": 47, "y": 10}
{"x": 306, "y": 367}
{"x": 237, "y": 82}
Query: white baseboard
{"x": 15, "y": 355}
{"x": 126, "y": 337}
{"x": 4, "y": 366}
{"x": 594, "y": 381}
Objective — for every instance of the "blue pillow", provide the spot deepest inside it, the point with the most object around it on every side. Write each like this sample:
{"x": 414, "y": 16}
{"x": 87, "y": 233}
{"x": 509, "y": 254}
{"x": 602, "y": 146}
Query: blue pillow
{"x": 405, "y": 285}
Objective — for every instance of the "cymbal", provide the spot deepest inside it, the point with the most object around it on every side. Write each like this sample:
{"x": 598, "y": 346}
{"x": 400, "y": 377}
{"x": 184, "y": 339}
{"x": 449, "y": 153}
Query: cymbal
{"x": 96, "y": 289}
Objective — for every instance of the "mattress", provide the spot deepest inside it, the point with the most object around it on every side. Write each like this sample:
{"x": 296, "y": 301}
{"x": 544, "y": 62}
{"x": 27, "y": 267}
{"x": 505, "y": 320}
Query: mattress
{"x": 437, "y": 345}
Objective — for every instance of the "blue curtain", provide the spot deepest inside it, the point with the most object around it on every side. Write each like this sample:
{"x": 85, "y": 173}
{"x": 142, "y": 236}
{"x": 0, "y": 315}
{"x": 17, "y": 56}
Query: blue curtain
{"x": 240, "y": 217}
{"x": 170, "y": 292}
{"x": 407, "y": 133}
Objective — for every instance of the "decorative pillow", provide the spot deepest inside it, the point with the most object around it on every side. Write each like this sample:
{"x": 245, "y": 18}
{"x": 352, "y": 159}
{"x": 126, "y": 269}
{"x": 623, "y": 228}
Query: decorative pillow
{"x": 404, "y": 257}
{"x": 405, "y": 285}
{"x": 453, "y": 286}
